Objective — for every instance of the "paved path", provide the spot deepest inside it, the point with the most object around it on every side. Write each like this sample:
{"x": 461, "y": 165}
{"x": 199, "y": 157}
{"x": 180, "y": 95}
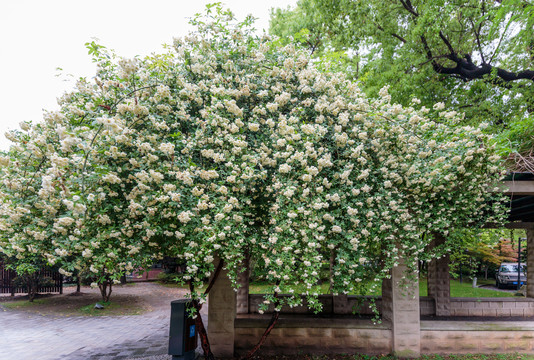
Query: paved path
{"x": 25, "y": 336}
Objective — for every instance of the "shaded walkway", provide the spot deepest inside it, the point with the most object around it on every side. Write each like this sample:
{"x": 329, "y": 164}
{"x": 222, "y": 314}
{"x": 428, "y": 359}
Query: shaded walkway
{"x": 25, "y": 335}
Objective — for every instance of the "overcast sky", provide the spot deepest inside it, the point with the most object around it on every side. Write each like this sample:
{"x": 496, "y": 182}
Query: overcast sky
{"x": 37, "y": 37}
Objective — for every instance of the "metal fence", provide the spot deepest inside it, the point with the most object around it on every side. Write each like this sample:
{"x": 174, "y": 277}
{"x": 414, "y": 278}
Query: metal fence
{"x": 7, "y": 286}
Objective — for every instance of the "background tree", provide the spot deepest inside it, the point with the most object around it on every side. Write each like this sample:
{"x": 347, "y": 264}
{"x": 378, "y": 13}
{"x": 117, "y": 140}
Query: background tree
{"x": 476, "y": 56}
{"x": 476, "y": 252}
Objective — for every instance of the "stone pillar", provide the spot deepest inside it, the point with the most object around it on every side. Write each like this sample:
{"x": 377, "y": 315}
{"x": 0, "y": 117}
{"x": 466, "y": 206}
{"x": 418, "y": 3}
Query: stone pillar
{"x": 530, "y": 263}
{"x": 221, "y": 316}
{"x": 400, "y": 307}
{"x": 340, "y": 305}
{"x": 439, "y": 280}
{"x": 243, "y": 290}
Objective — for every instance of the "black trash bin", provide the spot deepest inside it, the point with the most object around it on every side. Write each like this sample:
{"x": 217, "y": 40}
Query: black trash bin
{"x": 182, "y": 332}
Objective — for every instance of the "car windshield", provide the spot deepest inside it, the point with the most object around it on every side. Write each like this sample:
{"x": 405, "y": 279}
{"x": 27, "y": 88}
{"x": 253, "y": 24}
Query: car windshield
{"x": 512, "y": 268}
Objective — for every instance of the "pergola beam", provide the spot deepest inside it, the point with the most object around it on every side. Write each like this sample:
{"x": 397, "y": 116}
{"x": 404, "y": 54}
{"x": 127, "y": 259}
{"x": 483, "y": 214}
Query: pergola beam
{"x": 518, "y": 187}
{"x": 510, "y": 225}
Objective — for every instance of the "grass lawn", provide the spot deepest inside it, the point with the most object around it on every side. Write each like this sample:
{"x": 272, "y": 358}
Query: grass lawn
{"x": 110, "y": 308}
{"x": 458, "y": 289}
{"x": 24, "y": 303}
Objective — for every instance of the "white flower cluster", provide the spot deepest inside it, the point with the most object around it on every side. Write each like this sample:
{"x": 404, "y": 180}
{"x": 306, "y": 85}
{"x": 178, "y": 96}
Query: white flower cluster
{"x": 213, "y": 154}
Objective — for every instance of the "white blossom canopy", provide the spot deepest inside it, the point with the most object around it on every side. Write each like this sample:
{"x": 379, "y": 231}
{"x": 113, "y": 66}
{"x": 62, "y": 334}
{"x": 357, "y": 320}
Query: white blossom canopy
{"x": 228, "y": 144}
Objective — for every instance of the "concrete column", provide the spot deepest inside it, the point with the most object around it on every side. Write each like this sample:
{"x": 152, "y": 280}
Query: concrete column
{"x": 439, "y": 280}
{"x": 400, "y": 307}
{"x": 221, "y": 316}
{"x": 530, "y": 263}
{"x": 243, "y": 279}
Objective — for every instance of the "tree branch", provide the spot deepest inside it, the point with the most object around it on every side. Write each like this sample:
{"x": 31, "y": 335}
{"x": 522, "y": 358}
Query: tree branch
{"x": 408, "y": 6}
{"x": 466, "y": 69}
{"x": 477, "y": 38}
{"x": 272, "y": 323}
{"x": 392, "y": 34}
{"x": 202, "y": 333}
{"x": 453, "y": 55}
{"x": 215, "y": 276}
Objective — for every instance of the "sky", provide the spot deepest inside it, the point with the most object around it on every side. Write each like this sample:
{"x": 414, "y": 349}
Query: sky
{"x": 37, "y": 37}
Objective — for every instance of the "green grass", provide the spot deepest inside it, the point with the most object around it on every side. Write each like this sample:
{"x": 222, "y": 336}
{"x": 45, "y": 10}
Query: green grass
{"x": 23, "y": 304}
{"x": 465, "y": 289}
{"x": 458, "y": 289}
{"x": 109, "y": 307}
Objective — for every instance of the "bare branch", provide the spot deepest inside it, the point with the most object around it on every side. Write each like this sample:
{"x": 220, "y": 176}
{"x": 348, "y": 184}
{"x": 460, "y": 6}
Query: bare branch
{"x": 477, "y": 37}
{"x": 408, "y": 6}
{"x": 392, "y": 34}
{"x": 453, "y": 55}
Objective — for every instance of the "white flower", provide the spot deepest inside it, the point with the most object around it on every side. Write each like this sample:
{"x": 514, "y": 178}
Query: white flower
{"x": 284, "y": 168}
{"x": 439, "y": 106}
{"x": 112, "y": 179}
{"x": 185, "y": 217}
{"x": 167, "y": 148}
{"x": 336, "y": 229}
{"x": 253, "y": 126}
{"x": 65, "y": 221}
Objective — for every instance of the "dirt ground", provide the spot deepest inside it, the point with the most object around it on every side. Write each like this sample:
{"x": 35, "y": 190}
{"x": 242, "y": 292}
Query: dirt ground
{"x": 129, "y": 299}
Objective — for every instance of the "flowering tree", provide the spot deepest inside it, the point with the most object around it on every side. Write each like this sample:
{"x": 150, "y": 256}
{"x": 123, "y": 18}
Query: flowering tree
{"x": 228, "y": 144}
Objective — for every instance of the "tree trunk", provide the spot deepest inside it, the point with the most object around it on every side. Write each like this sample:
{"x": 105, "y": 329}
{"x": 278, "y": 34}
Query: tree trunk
{"x": 78, "y": 284}
{"x": 202, "y": 334}
{"x": 105, "y": 290}
{"x": 32, "y": 288}
{"x": 272, "y": 323}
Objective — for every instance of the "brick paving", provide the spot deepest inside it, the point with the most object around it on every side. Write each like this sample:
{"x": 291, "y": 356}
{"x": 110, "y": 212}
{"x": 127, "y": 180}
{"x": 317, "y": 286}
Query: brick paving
{"x": 25, "y": 335}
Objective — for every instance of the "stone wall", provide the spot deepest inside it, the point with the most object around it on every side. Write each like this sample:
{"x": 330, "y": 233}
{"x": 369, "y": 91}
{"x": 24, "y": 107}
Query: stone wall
{"x": 306, "y": 335}
{"x": 342, "y": 305}
{"x": 457, "y": 337}
{"x": 499, "y": 307}
{"x": 296, "y": 334}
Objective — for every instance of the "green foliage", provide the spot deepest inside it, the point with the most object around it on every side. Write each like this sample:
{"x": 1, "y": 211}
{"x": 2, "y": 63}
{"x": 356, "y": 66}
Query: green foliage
{"x": 168, "y": 278}
{"x": 417, "y": 47}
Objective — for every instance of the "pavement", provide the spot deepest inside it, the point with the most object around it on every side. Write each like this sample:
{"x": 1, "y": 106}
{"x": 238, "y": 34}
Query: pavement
{"x": 25, "y": 335}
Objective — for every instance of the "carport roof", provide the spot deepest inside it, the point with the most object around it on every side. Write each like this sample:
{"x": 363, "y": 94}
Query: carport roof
{"x": 520, "y": 188}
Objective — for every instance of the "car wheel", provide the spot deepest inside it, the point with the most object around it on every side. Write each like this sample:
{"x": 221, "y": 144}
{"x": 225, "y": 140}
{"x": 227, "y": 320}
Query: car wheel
{"x": 499, "y": 285}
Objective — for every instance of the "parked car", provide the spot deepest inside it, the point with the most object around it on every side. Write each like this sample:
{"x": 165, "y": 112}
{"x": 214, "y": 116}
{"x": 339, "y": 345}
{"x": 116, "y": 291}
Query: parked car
{"x": 507, "y": 275}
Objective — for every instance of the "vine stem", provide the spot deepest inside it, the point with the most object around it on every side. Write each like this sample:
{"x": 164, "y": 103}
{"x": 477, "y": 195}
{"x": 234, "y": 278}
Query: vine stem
{"x": 270, "y": 327}
{"x": 202, "y": 333}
